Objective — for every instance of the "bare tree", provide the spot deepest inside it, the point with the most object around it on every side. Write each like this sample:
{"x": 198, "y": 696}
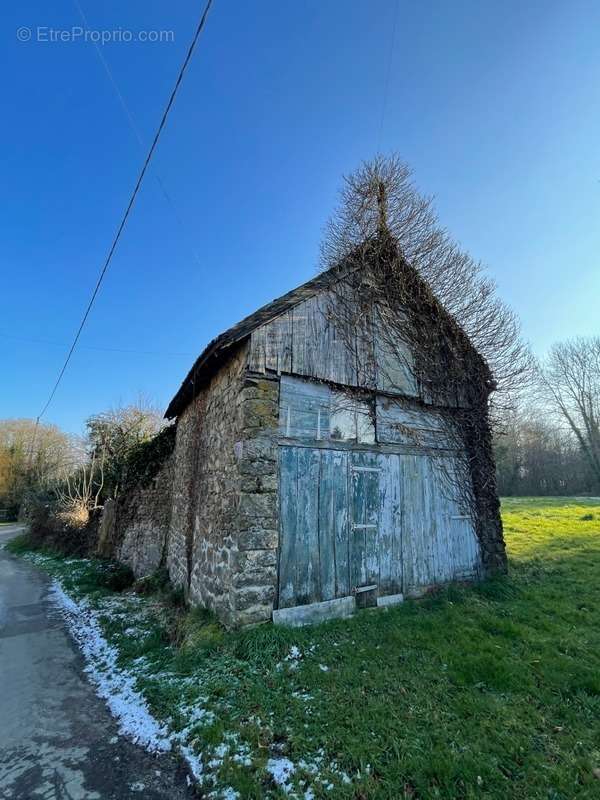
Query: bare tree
{"x": 570, "y": 385}
{"x": 80, "y": 493}
{"x": 537, "y": 454}
{"x": 115, "y": 433}
{"x": 381, "y": 194}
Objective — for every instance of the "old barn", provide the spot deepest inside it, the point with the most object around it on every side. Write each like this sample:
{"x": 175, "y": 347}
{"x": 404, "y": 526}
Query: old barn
{"x": 316, "y": 469}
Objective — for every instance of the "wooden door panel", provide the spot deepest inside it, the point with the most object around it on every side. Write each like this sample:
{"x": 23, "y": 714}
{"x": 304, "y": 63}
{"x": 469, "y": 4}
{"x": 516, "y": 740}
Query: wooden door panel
{"x": 364, "y": 514}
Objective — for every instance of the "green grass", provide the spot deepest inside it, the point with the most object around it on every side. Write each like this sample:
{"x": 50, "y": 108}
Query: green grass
{"x": 488, "y": 691}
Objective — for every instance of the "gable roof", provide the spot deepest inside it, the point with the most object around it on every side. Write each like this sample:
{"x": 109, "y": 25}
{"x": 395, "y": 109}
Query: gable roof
{"x": 218, "y": 349}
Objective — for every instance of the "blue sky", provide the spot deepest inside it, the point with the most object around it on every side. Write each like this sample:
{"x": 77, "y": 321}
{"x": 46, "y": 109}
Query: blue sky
{"x": 495, "y": 106}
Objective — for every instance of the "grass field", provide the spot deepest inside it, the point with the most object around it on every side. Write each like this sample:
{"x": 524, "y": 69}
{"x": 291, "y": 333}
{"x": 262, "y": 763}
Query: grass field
{"x": 491, "y": 691}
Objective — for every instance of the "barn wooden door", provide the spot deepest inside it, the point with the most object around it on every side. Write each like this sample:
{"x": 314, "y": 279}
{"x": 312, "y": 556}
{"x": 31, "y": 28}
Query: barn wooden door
{"x": 364, "y": 521}
{"x": 313, "y": 539}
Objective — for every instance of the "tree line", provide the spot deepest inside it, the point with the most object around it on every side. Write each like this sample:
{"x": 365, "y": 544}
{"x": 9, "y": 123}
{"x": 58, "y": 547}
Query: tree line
{"x": 72, "y": 476}
{"x": 549, "y": 442}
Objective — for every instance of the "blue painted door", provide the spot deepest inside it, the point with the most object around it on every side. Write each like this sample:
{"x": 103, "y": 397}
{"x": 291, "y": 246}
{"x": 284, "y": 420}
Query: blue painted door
{"x": 365, "y": 472}
{"x": 313, "y": 540}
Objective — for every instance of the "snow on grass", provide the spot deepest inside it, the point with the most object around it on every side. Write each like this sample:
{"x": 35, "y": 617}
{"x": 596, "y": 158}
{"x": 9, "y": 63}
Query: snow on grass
{"x": 282, "y": 771}
{"x": 114, "y": 685}
{"x": 117, "y": 687}
{"x": 101, "y": 624}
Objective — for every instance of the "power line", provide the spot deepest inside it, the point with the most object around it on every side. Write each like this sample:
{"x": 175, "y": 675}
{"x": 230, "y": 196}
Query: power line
{"x": 31, "y": 340}
{"x": 129, "y": 206}
{"x": 134, "y": 127}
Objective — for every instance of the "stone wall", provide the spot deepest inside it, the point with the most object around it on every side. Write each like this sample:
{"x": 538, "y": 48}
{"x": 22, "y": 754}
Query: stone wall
{"x": 143, "y": 519}
{"x": 222, "y": 544}
{"x": 185, "y": 455}
{"x": 255, "y": 562}
{"x": 215, "y": 491}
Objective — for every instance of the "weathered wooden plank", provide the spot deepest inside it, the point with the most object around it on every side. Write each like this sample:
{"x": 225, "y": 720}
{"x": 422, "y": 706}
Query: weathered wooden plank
{"x": 278, "y": 344}
{"x": 364, "y": 533}
{"x": 323, "y": 338}
{"x": 438, "y": 543}
{"x": 288, "y": 494}
{"x": 299, "y": 325}
{"x": 394, "y": 361}
{"x": 441, "y": 547}
{"x": 399, "y": 423}
{"x": 313, "y": 613}
{"x": 351, "y": 519}
{"x": 341, "y": 368}
{"x": 327, "y": 521}
{"x": 341, "y": 519}
{"x": 417, "y": 524}
{"x": 307, "y": 587}
{"x": 390, "y": 544}
{"x": 429, "y": 530}
{"x": 256, "y": 354}
{"x": 366, "y": 370}
{"x": 463, "y": 544}
{"x": 334, "y": 355}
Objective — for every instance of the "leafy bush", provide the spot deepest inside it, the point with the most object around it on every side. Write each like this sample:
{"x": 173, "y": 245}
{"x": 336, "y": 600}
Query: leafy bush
{"x": 145, "y": 459}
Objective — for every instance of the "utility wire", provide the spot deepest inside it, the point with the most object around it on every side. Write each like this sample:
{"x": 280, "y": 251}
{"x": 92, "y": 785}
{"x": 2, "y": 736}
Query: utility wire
{"x": 134, "y": 127}
{"x": 129, "y": 207}
{"x": 50, "y": 343}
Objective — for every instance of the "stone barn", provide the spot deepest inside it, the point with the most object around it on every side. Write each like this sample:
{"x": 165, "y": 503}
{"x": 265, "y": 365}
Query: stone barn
{"x": 303, "y": 483}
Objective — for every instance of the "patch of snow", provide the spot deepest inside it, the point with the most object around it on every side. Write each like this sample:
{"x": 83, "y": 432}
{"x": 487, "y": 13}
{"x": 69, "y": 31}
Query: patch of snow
{"x": 304, "y": 696}
{"x": 193, "y": 761}
{"x": 281, "y": 770}
{"x": 112, "y": 684}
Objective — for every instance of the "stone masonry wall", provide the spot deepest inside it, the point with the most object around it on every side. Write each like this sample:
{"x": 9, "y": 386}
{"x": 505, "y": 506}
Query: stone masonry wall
{"x": 255, "y": 560}
{"x": 216, "y": 491}
{"x": 143, "y": 519}
{"x": 223, "y": 534}
{"x": 184, "y": 458}
{"x": 211, "y": 514}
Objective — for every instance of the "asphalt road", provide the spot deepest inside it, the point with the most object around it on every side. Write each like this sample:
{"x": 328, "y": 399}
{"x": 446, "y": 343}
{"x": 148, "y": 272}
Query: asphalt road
{"x": 57, "y": 739}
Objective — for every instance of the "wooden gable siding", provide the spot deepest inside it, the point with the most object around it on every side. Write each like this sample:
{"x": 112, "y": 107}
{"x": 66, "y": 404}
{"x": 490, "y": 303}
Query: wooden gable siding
{"x": 305, "y": 340}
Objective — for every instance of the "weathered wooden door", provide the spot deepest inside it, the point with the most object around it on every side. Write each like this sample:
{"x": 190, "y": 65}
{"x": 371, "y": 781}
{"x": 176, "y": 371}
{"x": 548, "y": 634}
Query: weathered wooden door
{"x": 439, "y": 543}
{"x": 354, "y": 519}
{"x": 364, "y": 520}
{"x": 313, "y": 541}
